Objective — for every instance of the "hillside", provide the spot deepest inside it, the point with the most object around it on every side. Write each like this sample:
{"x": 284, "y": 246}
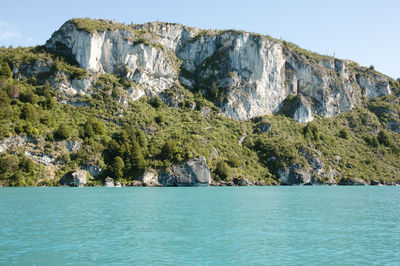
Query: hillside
{"x": 147, "y": 104}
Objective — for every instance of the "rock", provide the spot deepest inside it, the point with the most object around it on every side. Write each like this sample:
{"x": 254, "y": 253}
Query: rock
{"x": 393, "y": 125}
{"x": 12, "y": 142}
{"x": 374, "y": 85}
{"x": 42, "y": 158}
{"x": 117, "y": 184}
{"x": 298, "y": 108}
{"x": 206, "y": 112}
{"x": 75, "y": 179}
{"x": 150, "y": 178}
{"x": 255, "y": 73}
{"x": 94, "y": 170}
{"x": 294, "y": 175}
{"x": 241, "y": 182}
{"x": 109, "y": 182}
{"x": 115, "y": 52}
{"x": 353, "y": 182}
{"x": 72, "y": 145}
{"x": 375, "y": 182}
{"x": 136, "y": 183}
{"x": 313, "y": 160}
{"x": 338, "y": 158}
{"x": 193, "y": 172}
{"x": 331, "y": 177}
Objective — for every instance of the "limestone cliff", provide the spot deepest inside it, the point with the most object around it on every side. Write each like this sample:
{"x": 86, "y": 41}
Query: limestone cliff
{"x": 246, "y": 74}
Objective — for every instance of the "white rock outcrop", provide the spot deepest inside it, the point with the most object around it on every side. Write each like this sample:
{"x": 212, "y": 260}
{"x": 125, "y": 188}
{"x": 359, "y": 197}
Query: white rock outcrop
{"x": 246, "y": 74}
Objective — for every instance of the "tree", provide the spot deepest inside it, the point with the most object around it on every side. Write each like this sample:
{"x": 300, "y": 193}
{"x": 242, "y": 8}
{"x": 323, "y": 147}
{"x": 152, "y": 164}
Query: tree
{"x": 98, "y": 127}
{"x": 48, "y": 102}
{"x": 344, "y": 133}
{"x": 63, "y": 132}
{"x": 28, "y": 96}
{"x": 89, "y": 132}
{"x": 137, "y": 158}
{"x": 155, "y": 102}
{"x": 117, "y": 168}
{"x": 13, "y": 91}
{"x": 383, "y": 138}
{"x": 168, "y": 150}
{"x": 5, "y": 71}
{"x": 222, "y": 170}
{"x": 311, "y": 131}
{"x": 233, "y": 160}
{"x": 4, "y": 99}
{"x": 28, "y": 112}
{"x": 26, "y": 164}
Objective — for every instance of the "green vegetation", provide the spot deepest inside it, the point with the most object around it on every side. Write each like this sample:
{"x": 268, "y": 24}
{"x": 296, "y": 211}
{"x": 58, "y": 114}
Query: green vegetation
{"x": 127, "y": 139}
{"x": 92, "y": 25}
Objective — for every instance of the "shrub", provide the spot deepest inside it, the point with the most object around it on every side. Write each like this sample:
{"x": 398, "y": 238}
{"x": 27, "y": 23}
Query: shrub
{"x": 168, "y": 151}
{"x": 5, "y": 71}
{"x": 371, "y": 140}
{"x": 155, "y": 102}
{"x": 311, "y": 131}
{"x": 62, "y": 132}
{"x": 344, "y": 133}
{"x": 233, "y": 160}
{"x": 98, "y": 127}
{"x": 14, "y": 92}
{"x": 28, "y": 96}
{"x": 384, "y": 138}
{"x": 28, "y": 112}
{"x": 160, "y": 119}
{"x": 222, "y": 170}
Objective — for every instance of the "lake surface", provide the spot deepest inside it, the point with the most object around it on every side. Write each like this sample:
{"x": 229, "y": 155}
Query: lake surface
{"x": 200, "y": 226}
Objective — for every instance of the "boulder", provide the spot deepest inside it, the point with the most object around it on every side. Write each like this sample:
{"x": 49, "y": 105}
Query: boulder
{"x": 136, "y": 183}
{"x": 193, "y": 172}
{"x": 150, "y": 178}
{"x": 353, "y": 182}
{"x": 94, "y": 170}
{"x": 298, "y": 108}
{"x": 109, "y": 182}
{"x": 294, "y": 175}
{"x": 375, "y": 183}
{"x": 241, "y": 182}
{"x": 313, "y": 160}
{"x": 75, "y": 179}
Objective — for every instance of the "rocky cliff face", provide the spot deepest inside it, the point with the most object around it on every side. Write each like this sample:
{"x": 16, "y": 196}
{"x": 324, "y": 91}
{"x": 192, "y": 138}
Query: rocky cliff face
{"x": 246, "y": 74}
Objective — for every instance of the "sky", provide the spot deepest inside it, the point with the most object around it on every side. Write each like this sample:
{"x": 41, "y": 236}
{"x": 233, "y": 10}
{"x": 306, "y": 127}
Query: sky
{"x": 364, "y": 31}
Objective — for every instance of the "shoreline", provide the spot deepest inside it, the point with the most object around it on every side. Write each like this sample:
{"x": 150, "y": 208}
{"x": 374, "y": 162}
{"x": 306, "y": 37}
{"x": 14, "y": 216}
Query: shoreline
{"x": 144, "y": 186}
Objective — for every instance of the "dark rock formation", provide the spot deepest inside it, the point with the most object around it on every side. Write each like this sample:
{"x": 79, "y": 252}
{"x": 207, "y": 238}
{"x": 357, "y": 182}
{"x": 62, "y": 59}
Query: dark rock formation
{"x": 75, "y": 179}
{"x": 194, "y": 172}
{"x": 294, "y": 175}
{"x": 353, "y": 182}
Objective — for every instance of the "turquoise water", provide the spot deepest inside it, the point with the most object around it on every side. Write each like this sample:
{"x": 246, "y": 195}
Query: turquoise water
{"x": 200, "y": 226}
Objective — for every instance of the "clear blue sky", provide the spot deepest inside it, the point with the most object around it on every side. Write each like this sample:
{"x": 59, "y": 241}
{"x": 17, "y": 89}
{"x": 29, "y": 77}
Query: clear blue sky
{"x": 365, "y": 31}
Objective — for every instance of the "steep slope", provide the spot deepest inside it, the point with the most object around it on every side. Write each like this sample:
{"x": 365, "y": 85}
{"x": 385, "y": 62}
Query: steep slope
{"x": 164, "y": 104}
{"x": 246, "y": 74}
